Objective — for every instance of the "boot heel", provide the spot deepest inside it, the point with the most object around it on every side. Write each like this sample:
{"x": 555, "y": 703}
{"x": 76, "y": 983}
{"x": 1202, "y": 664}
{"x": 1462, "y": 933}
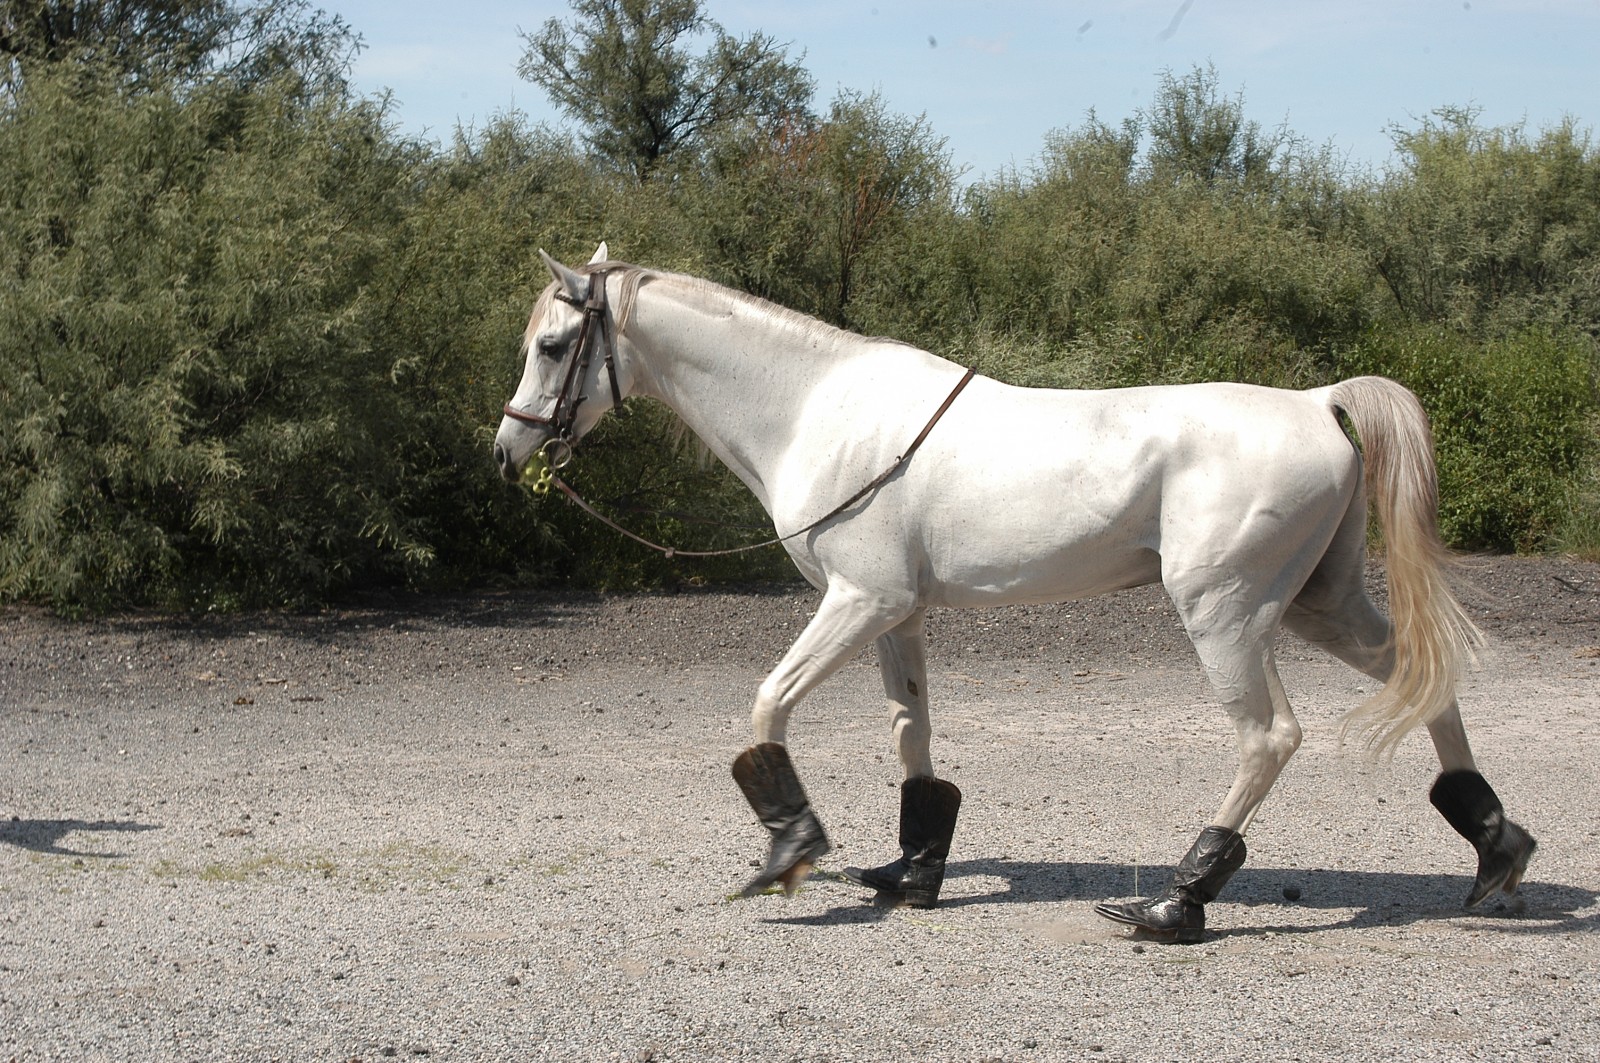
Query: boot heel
{"x": 921, "y": 898}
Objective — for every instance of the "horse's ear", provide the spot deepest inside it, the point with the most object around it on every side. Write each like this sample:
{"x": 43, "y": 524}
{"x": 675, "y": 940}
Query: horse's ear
{"x": 576, "y": 287}
{"x": 601, "y": 254}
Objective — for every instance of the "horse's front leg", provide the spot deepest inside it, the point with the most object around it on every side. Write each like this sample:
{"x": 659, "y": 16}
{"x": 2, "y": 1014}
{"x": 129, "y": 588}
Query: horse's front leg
{"x": 928, "y": 806}
{"x": 845, "y": 622}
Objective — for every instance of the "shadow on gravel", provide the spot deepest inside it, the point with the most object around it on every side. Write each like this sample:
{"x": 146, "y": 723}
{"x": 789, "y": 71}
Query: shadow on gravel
{"x": 44, "y": 835}
{"x": 1361, "y": 899}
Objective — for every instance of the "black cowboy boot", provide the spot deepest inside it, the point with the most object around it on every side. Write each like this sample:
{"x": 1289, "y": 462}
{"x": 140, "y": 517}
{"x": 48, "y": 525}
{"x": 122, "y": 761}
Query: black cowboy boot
{"x": 1469, "y": 805}
{"x": 1180, "y": 911}
{"x": 766, "y": 775}
{"x": 928, "y": 810}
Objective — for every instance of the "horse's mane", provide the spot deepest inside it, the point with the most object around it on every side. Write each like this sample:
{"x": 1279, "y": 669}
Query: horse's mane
{"x": 633, "y": 276}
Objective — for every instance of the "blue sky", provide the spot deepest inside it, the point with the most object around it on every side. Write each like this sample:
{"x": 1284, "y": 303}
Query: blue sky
{"x": 993, "y": 79}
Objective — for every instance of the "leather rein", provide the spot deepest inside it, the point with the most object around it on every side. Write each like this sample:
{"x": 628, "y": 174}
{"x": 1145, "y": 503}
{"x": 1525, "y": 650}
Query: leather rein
{"x": 565, "y": 414}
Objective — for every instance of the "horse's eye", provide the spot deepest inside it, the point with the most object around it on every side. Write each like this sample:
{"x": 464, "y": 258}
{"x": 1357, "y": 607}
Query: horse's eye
{"x": 550, "y": 348}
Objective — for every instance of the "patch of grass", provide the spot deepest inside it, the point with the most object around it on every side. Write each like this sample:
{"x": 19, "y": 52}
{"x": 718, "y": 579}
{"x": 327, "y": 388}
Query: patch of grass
{"x": 265, "y": 864}
{"x": 396, "y": 864}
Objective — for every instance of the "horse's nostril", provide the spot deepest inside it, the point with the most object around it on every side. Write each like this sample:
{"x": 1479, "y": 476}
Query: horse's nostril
{"x": 503, "y": 460}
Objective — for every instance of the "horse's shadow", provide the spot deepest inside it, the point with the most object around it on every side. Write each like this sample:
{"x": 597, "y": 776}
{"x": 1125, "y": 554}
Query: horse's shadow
{"x": 45, "y": 835}
{"x": 1352, "y": 899}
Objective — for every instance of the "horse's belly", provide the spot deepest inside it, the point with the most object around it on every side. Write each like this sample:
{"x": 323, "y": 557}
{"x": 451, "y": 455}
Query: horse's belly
{"x": 1015, "y": 568}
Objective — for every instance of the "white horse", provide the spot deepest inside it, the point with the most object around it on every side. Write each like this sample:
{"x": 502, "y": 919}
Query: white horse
{"x": 1247, "y": 503}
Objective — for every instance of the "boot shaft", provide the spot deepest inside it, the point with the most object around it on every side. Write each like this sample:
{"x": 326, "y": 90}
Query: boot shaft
{"x": 928, "y": 810}
{"x": 1208, "y": 865}
{"x": 1469, "y": 804}
{"x": 768, "y": 780}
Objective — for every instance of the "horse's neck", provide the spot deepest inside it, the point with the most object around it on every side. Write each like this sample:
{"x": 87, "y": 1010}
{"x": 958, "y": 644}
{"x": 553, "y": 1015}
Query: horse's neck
{"x": 737, "y": 377}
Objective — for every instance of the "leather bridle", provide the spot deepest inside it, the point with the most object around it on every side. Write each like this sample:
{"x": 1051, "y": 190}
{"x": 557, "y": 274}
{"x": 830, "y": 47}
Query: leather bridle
{"x": 593, "y": 330}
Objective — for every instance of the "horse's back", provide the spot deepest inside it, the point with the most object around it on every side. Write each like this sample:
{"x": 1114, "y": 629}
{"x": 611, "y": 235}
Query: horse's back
{"x": 1053, "y": 494}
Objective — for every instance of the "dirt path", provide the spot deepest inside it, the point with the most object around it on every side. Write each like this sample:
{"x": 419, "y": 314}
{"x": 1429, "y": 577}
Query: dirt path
{"x": 502, "y": 828}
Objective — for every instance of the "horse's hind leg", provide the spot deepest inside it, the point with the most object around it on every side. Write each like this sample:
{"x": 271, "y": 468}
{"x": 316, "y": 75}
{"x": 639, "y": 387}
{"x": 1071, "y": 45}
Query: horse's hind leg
{"x": 1235, "y": 646}
{"x": 844, "y": 623}
{"x": 928, "y": 806}
{"x": 1338, "y": 617}
{"x": 1334, "y": 612}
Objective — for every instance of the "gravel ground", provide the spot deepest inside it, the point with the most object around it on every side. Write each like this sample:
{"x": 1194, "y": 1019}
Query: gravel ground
{"x": 502, "y": 828}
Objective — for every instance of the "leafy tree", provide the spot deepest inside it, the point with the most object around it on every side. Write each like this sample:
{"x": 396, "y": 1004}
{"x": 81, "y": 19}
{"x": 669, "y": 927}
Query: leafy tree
{"x": 1513, "y": 422}
{"x": 146, "y": 43}
{"x": 623, "y": 69}
{"x": 1055, "y": 238}
{"x": 799, "y": 214}
{"x": 880, "y": 169}
{"x": 1491, "y": 228}
{"x": 1197, "y": 134}
{"x": 135, "y": 37}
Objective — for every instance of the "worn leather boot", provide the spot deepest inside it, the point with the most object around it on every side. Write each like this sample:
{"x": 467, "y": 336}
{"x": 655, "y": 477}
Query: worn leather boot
{"x": 928, "y": 810}
{"x": 1179, "y": 913}
{"x": 1469, "y": 804}
{"x": 766, "y": 775}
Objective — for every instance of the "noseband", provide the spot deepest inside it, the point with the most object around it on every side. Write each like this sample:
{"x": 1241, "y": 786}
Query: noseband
{"x": 592, "y": 331}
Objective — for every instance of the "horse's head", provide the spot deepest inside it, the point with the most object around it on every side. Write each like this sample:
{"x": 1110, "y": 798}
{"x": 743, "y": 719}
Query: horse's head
{"x": 569, "y": 378}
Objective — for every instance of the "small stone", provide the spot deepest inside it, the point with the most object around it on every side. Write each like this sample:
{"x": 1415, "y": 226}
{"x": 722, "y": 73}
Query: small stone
{"x": 1291, "y": 893}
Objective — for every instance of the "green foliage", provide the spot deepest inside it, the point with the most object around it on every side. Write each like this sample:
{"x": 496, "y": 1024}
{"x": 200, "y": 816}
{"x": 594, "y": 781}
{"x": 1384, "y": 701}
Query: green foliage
{"x": 1197, "y": 135}
{"x": 812, "y": 216}
{"x": 186, "y": 271}
{"x": 1513, "y": 423}
{"x": 1489, "y": 229}
{"x": 622, "y": 69}
{"x": 148, "y": 44}
{"x": 253, "y": 345}
{"x": 1220, "y": 263}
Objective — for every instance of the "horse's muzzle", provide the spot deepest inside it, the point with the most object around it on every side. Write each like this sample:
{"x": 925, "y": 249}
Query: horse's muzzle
{"x": 509, "y": 469}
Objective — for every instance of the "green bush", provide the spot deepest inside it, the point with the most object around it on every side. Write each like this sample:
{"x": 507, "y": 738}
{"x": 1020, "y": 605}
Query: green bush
{"x": 1490, "y": 230}
{"x": 254, "y": 345}
{"x": 205, "y": 401}
{"x": 1513, "y": 424}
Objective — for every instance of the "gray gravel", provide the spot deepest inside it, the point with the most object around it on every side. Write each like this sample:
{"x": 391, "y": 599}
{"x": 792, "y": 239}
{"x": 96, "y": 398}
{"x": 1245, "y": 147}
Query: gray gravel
{"x": 502, "y": 828}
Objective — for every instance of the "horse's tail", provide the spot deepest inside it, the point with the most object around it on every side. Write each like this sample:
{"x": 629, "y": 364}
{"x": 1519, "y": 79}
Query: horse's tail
{"x": 1433, "y": 636}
